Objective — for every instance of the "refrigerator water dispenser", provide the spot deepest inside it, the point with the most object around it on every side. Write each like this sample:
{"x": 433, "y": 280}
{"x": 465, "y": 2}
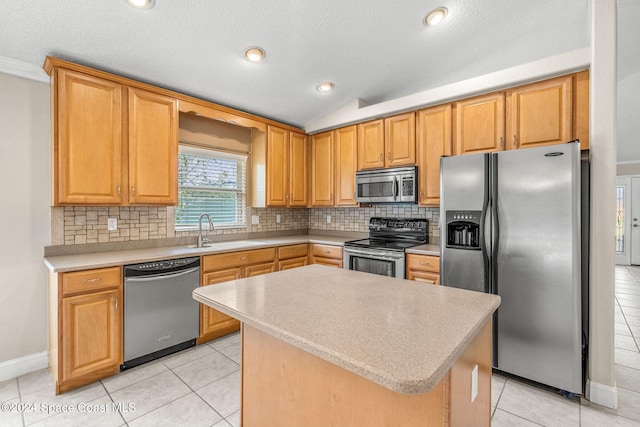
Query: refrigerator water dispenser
{"x": 463, "y": 229}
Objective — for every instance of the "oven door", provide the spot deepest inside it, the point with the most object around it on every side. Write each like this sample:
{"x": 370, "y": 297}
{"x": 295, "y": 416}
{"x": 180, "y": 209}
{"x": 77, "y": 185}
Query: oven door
{"x": 376, "y": 261}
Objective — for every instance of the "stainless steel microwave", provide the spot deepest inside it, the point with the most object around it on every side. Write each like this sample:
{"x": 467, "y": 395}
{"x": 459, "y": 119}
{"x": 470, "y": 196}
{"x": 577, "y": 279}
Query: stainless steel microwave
{"x": 390, "y": 185}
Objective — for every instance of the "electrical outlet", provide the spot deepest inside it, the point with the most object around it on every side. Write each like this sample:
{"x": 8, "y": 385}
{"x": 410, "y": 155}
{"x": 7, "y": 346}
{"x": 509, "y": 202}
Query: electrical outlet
{"x": 277, "y": 219}
{"x": 328, "y": 219}
{"x": 474, "y": 383}
{"x": 112, "y": 224}
{"x": 255, "y": 219}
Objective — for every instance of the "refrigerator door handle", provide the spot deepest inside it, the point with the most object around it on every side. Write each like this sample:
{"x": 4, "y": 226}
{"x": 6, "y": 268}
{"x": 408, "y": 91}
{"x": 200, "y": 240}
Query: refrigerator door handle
{"x": 485, "y": 243}
{"x": 495, "y": 222}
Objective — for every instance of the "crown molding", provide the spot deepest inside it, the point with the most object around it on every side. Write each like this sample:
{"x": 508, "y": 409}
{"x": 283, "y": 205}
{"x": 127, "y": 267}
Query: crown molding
{"x": 23, "y": 69}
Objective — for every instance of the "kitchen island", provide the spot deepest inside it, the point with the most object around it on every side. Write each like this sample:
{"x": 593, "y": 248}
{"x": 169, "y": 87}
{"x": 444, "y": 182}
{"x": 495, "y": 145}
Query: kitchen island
{"x": 324, "y": 346}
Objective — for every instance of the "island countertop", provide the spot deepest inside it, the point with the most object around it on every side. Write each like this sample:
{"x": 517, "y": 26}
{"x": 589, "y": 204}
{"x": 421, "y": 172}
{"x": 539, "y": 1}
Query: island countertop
{"x": 397, "y": 333}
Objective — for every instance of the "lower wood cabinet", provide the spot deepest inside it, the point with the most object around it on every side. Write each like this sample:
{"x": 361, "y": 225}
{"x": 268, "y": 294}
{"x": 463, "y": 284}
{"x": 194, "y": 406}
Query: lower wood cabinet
{"x": 423, "y": 268}
{"x": 329, "y": 255}
{"x": 222, "y": 268}
{"x": 293, "y": 256}
{"x": 85, "y": 326}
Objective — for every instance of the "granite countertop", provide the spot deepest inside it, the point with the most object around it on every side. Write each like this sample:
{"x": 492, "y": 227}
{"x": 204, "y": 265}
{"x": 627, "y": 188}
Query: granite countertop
{"x": 427, "y": 249}
{"x": 393, "y": 332}
{"x": 65, "y": 263}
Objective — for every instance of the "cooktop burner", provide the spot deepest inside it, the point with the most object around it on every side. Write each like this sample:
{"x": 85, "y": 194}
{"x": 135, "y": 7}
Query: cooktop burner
{"x": 395, "y": 234}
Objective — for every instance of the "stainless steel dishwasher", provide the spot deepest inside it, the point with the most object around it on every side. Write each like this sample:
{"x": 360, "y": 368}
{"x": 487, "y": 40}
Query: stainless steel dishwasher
{"x": 160, "y": 314}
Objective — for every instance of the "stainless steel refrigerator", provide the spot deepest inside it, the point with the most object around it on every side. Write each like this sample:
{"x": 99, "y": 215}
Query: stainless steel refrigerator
{"x": 511, "y": 225}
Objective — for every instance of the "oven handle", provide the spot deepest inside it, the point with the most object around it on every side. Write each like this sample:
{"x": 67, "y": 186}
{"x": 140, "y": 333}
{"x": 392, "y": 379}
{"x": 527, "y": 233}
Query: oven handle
{"x": 373, "y": 254}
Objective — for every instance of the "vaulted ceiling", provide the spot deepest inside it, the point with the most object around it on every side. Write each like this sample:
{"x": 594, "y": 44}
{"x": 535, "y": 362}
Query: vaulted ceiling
{"x": 373, "y": 51}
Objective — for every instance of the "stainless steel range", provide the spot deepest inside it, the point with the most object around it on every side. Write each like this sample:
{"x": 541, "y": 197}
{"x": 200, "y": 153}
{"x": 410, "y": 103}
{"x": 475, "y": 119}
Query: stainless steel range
{"x": 383, "y": 252}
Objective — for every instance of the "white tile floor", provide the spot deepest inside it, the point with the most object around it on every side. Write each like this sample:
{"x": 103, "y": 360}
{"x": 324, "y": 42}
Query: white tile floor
{"x": 200, "y": 387}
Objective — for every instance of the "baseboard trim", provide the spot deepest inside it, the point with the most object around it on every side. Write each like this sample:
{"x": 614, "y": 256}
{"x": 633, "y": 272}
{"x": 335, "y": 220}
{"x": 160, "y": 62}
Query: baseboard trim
{"x": 23, "y": 365}
{"x": 602, "y": 394}
{"x": 22, "y": 69}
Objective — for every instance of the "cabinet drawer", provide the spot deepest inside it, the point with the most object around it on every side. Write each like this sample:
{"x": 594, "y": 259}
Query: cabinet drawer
{"x": 215, "y": 262}
{"x": 293, "y": 251}
{"x": 327, "y": 251}
{"x": 91, "y": 280}
{"x": 423, "y": 262}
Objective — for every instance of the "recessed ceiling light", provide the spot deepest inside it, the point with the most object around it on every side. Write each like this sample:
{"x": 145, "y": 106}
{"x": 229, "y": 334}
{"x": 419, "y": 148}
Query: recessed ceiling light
{"x": 325, "y": 86}
{"x": 435, "y": 17}
{"x": 254, "y": 54}
{"x": 141, "y": 4}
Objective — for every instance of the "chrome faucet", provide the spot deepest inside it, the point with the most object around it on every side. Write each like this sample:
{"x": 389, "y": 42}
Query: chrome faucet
{"x": 202, "y": 240}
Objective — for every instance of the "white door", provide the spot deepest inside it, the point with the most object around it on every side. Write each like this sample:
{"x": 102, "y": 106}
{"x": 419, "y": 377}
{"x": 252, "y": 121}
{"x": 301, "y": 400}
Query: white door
{"x": 635, "y": 221}
{"x": 623, "y": 228}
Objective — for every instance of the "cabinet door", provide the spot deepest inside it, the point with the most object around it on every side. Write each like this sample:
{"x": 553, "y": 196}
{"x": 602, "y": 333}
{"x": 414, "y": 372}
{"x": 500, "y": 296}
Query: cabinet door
{"x": 423, "y": 276}
{"x": 322, "y": 169}
{"x": 212, "y": 322}
{"x": 400, "y": 140}
{"x": 292, "y": 263}
{"x": 480, "y": 124}
{"x": 371, "y": 145}
{"x": 153, "y": 148}
{"x": 88, "y": 140}
{"x": 541, "y": 113}
{"x": 433, "y": 141}
{"x": 298, "y": 183}
{"x": 257, "y": 270}
{"x": 91, "y": 333}
{"x": 277, "y": 166}
{"x": 346, "y": 164}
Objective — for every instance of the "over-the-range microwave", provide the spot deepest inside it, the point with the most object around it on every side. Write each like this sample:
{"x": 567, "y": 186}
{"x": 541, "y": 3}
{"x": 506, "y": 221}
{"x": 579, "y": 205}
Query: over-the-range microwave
{"x": 390, "y": 185}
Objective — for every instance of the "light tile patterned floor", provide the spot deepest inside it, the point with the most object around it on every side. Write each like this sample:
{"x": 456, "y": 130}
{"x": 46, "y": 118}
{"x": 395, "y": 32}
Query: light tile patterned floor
{"x": 201, "y": 387}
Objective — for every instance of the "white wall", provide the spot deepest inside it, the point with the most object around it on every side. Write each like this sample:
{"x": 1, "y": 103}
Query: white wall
{"x": 25, "y": 218}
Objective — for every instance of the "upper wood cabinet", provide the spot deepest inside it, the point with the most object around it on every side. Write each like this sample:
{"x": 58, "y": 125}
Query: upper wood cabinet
{"x": 540, "y": 113}
{"x": 89, "y": 144}
{"x": 371, "y": 145}
{"x": 346, "y": 163}
{"x": 333, "y": 167}
{"x": 286, "y": 168}
{"x": 387, "y": 142}
{"x": 153, "y": 148}
{"x": 433, "y": 141}
{"x": 400, "y": 140}
{"x": 479, "y": 124}
{"x": 322, "y": 169}
{"x": 113, "y": 145}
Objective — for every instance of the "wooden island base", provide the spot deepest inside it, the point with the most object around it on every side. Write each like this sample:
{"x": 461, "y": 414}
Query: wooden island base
{"x": 283, "y": 385}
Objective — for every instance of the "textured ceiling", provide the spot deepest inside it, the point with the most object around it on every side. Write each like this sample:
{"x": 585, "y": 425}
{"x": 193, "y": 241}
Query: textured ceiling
{"x": 373, "y": 50}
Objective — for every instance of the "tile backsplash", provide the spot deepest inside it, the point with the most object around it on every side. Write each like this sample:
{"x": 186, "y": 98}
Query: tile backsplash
{"x": 87, "y": 225}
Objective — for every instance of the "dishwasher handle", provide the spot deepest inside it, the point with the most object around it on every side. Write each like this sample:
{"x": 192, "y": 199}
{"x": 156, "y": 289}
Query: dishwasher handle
{"x": 171, "y": 275}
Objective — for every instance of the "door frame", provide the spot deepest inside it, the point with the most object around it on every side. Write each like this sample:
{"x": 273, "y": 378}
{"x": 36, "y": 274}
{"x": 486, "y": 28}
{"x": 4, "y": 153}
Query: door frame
{"x": 625, "y": 257}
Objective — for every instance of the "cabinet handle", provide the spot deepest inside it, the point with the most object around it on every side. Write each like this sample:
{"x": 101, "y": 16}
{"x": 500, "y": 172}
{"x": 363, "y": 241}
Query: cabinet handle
{"x": 243, "y": 258}
{"x": 293, "y": 251}
{"x": 118, "y": 189}
{"x": 389, "y": 155}
{"x": 327, "y": 251}
{"x": 515, "y": 141}
{"x": 381, "y": 157}
{"x": 424, "y": 263}
{"x": 115, "y": 300}
{"x": 133, "y": 189}
{"x": 502, "y": 143}
{"x": 286, "y": 197}
{"x": 93, "y": 280}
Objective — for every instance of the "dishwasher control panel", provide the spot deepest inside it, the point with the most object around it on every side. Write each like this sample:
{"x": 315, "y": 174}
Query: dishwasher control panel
{"x": 160, "y": 266}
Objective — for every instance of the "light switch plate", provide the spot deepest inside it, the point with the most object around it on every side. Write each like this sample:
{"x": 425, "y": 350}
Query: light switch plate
{"x": 328, "y": 219}
{"x": 474, "y": 383}
{"x": 255, "y": 219}
{"x": 112, "y": 224}
{"x": 278, "y": 219}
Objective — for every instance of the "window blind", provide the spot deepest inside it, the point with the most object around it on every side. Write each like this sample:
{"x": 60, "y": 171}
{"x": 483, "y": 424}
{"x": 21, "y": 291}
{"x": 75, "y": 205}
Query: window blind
{"x": 212, "y": 182}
